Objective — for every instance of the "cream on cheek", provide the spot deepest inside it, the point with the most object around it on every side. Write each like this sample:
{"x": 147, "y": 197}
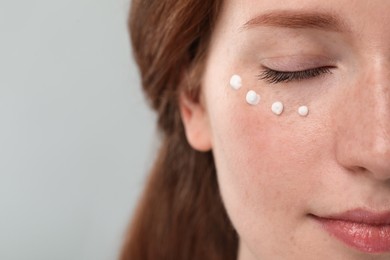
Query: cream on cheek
{"x": 252, "y": 145}
{"x": 259, "y": 157}
{"x": 253, "y": 98}
{"x": 252, "y": 167}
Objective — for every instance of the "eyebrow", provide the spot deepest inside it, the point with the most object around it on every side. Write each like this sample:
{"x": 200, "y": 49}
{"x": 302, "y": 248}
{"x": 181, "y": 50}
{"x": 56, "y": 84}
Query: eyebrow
{"x": 298, "y": 20}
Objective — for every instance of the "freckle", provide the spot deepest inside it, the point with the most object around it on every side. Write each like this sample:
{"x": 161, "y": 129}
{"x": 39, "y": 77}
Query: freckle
{"x": 277, "y": 108}
{"x": 236, "y": 82}
{"x": 303, "y": 110}
{"x": 252, "y": 98}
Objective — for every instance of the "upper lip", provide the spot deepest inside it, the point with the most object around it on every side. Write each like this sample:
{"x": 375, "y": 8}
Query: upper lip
{"x": 362, "y": 216}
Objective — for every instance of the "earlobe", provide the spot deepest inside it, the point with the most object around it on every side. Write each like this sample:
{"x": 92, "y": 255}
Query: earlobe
{"x": 196, "y": 124}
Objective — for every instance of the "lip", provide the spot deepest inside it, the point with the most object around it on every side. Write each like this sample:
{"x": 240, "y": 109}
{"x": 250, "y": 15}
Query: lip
{"x": 364, "y": 230}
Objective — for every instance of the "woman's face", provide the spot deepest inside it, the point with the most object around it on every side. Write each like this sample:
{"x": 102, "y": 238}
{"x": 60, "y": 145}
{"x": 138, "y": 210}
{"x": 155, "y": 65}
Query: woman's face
{"x": 282, "y": 176}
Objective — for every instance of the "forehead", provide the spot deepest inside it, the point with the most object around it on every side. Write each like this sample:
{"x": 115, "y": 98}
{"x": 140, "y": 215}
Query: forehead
{"x": 349, "y": 16}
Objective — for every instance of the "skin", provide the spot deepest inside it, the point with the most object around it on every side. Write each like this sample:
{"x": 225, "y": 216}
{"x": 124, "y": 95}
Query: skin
{"x": 274, "y": 171}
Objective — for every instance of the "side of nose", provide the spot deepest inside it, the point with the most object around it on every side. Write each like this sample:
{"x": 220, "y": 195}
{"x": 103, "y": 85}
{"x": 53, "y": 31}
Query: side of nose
{"x": 363, "y": 123}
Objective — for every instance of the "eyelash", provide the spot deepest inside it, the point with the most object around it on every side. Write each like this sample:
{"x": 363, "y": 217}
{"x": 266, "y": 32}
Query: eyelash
{"x": 274, "y": 76}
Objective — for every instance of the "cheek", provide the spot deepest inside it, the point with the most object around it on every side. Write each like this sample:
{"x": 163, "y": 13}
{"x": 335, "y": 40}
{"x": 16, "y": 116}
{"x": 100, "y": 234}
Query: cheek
{"x": 264, "y": 164}
{"x": 256, "y": 158}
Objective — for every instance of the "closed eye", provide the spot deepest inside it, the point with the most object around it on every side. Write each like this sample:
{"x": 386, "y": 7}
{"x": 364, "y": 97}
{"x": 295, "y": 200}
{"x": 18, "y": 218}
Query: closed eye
{"x": 274, "y": 76}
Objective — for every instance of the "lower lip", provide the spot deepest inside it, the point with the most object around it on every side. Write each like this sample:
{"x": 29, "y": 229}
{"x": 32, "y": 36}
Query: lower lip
{"x": 364, "y": 237}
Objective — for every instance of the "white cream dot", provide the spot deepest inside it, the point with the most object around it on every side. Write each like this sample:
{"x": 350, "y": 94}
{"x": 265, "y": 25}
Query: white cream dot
{"x": 236, "y": 82}
{"x": 303, "y": 110}
{"x": 277, "y": 108}
{"x": 252, "y": 97}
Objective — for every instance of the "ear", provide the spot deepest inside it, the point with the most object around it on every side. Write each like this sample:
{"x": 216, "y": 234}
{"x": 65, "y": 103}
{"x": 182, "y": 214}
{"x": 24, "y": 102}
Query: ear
{"x": 196, "y": 123}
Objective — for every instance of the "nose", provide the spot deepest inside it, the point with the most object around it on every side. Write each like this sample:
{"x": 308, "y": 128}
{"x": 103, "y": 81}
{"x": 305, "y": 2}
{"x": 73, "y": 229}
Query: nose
{"x": 363, "y": 123}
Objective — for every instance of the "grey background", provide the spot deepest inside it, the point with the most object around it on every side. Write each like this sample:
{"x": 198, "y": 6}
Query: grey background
{"x": 76, "y": 136}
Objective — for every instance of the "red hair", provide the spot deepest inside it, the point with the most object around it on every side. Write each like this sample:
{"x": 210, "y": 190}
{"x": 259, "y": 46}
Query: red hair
{"x": 180, "y": 214}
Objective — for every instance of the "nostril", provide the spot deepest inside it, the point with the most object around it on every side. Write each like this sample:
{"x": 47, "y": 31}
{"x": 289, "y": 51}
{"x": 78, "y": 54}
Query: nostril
{"x": 357, "y": 169}
{"x": 361, "y": 169}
